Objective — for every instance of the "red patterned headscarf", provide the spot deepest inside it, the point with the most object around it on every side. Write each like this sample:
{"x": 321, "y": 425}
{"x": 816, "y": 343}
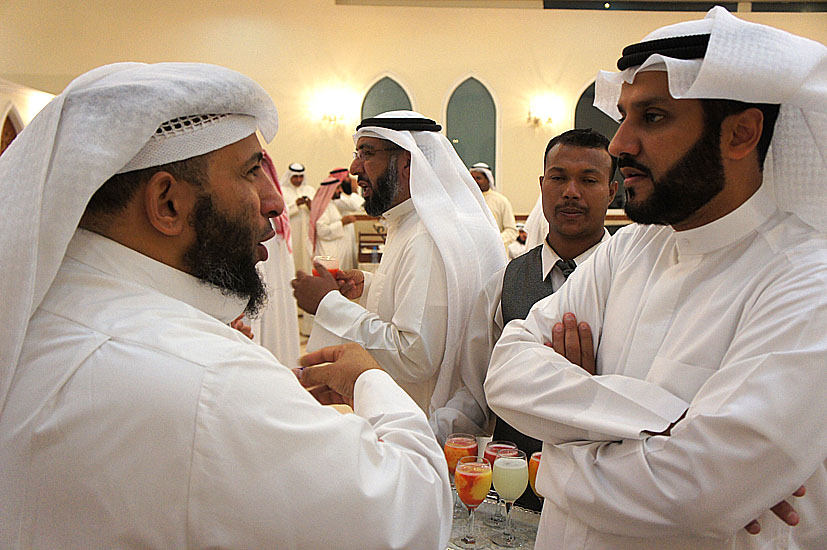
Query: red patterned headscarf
{"x": 281, "y": 223}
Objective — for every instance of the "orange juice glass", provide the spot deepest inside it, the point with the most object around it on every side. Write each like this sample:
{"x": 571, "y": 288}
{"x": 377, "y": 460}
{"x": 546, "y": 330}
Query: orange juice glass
{"x": 533, "y": 464}
{"x": 457, "y": 446}
{"x": 330, "y": 263}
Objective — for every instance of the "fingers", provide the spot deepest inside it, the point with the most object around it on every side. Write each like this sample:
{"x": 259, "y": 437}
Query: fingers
{"x": 558, "y": 339}
{"x": 323, "y": 355}
{"x": 786, "y": 513}
{"x": 572, "y": 338}
{"x": 753, "y": 527}
{"x": 800, "y": 491}
{"x": 584, "y": 332}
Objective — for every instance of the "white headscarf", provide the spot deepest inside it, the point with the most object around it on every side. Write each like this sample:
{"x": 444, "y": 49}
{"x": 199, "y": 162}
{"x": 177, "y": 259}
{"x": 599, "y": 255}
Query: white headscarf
{"x": 77, "y": 142}
{"x": 451, "y": 206}
{"x": 755, "y": 64}
{"x": 485, "y": 169}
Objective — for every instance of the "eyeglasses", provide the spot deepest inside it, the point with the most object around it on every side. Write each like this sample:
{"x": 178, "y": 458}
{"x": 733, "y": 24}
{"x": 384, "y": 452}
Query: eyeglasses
{"x": 365, "y": 154}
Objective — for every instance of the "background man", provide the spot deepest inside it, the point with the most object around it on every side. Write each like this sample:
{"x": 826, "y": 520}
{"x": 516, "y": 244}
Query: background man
{"x": 498, "y": 204}
{"x": 327, "y": 226}
{"x": 441, "y": 245}
{"x": 349, "y": 203}
{"x": 518, "y": 247}
{"x": 576, "y": 189}
{"x": 710, "y": 324}
{"x": 297, "y": 199}
{"x": 131, "y": 413}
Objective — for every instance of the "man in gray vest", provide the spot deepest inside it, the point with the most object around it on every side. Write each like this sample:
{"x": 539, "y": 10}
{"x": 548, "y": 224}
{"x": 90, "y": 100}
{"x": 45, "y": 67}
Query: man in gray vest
{"x": 577, "y": 188}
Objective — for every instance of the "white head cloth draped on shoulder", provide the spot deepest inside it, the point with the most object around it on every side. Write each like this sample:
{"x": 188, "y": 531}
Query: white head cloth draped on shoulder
{"x": 451, "y": 206}
{"x": 85, "y": 135}
{"x": 755, "y": 64}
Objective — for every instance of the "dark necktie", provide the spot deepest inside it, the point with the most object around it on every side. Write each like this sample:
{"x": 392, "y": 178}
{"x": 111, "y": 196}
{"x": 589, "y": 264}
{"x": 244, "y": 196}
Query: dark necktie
{"x": 565, "y": 267}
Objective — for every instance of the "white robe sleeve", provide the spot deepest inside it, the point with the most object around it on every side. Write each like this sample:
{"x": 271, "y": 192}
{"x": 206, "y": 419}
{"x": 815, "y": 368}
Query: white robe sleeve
{"x": 567, "y": 404}
{"x": 411, "y": 344}
{"x": 329, "y": 225}
{"x": 374, "y": 479}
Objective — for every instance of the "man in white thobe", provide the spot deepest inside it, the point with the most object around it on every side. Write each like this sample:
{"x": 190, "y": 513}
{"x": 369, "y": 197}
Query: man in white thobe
{"x": 298, "y": 198}
{"x": 349, "y": 203}
{"x": 441, "y": 246}
{"x": 132, "y": 415}
{"x": 328, "y": 234}
{"x": 499, "y": 205}
{"x": 710, "y": 323}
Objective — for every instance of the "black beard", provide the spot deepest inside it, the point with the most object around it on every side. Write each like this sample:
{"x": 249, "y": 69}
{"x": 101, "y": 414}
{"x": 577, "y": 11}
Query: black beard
{"x": 383, "y": 195}
{"x": 692, "y": 182}
{"x": 223, "y": 255}
{"x": 521, "y": 240}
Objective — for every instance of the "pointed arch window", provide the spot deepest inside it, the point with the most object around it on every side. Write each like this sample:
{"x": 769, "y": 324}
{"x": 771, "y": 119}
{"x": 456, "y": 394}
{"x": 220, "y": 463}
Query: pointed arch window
{"x": 471, "y": 123}
{"x": 385, "y": 95}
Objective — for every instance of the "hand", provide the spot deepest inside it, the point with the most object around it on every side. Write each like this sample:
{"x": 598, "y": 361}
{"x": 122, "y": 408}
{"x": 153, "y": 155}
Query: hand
{"x": 333, "y": 382}
{"x": 574, "y": 342}
{"x": 351, "y": 283}
{"x": 348, "y": 219}
{"x": 310, "y": 290}
{"x": 239, "y": 325}
{"x": 304, "y": 201}
{"x": 783, "y": 510}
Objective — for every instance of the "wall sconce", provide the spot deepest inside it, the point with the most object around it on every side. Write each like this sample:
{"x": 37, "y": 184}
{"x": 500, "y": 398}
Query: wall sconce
{"x": 544, "y": 110}
{"x": 334, "y": 106}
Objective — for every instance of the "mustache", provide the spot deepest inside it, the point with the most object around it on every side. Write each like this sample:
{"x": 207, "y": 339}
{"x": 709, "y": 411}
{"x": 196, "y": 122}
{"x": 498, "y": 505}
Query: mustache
{"x": 569, "y": 205}
{"x": 625, "y": 161}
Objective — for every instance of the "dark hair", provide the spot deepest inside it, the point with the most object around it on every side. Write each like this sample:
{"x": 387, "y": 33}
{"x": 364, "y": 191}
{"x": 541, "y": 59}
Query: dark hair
{"x": 116, "y": 193}
{"x": 716, "y": 110}
{"x": 582, "y": 137}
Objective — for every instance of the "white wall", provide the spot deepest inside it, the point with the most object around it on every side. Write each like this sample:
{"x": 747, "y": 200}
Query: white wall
{"x": 296, "y": 48}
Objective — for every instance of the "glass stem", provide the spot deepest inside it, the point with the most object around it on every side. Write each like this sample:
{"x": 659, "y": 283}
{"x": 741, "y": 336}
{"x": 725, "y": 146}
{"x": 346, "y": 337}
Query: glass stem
{"x": 470, "y": 537}
{"x": 507, "y": 531}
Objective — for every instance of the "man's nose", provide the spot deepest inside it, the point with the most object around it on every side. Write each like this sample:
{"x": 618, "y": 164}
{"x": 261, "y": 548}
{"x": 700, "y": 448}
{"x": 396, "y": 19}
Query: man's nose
{"x": 356, "y": 167}
{"x": 624, "y": 142}
{"x": 272, "y": 203}
{"x": 572, "y": 190}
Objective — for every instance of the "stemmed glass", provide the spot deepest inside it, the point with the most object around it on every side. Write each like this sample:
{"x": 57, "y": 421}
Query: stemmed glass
{"x": 533, "y": 465}
{"x": 510, "y": 480}
{"x": 458, "y": 445}
{"x": 491, "y": 450}
{"x": 473, "y": 479}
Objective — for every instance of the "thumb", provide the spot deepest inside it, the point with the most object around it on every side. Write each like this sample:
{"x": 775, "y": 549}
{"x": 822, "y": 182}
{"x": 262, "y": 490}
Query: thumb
{"x": 324, "y": 273}
{"x": 318, "y": 375}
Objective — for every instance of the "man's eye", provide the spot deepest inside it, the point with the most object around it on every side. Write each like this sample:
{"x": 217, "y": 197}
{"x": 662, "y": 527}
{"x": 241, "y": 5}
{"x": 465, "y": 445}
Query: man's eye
{"x": 652, "y": 118}
{"x": 254, "y": 171}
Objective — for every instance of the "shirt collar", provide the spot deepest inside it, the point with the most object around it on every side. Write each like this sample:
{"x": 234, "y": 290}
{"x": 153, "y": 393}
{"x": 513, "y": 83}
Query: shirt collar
{"x": 728, "y": 229}
{"x": 394, "y": 215}
{"x": 550, "y": 257}
{"x": 113, "y": 258}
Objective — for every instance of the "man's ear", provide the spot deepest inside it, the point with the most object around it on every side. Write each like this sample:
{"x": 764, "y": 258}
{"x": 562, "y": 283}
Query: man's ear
{"x": 405, "y": 165}
{"x": 740, "y": 133}
{"x": 612, "y": 190}
{"x": 168, "y": 202}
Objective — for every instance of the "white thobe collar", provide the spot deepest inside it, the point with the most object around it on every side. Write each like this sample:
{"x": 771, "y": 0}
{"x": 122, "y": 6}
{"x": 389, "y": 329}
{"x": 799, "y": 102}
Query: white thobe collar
{"x": 113, "y": 258}
{"x": 550, "y": 257}
{"x": 730, "y": 228}
{"x": 394, "y": 216}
